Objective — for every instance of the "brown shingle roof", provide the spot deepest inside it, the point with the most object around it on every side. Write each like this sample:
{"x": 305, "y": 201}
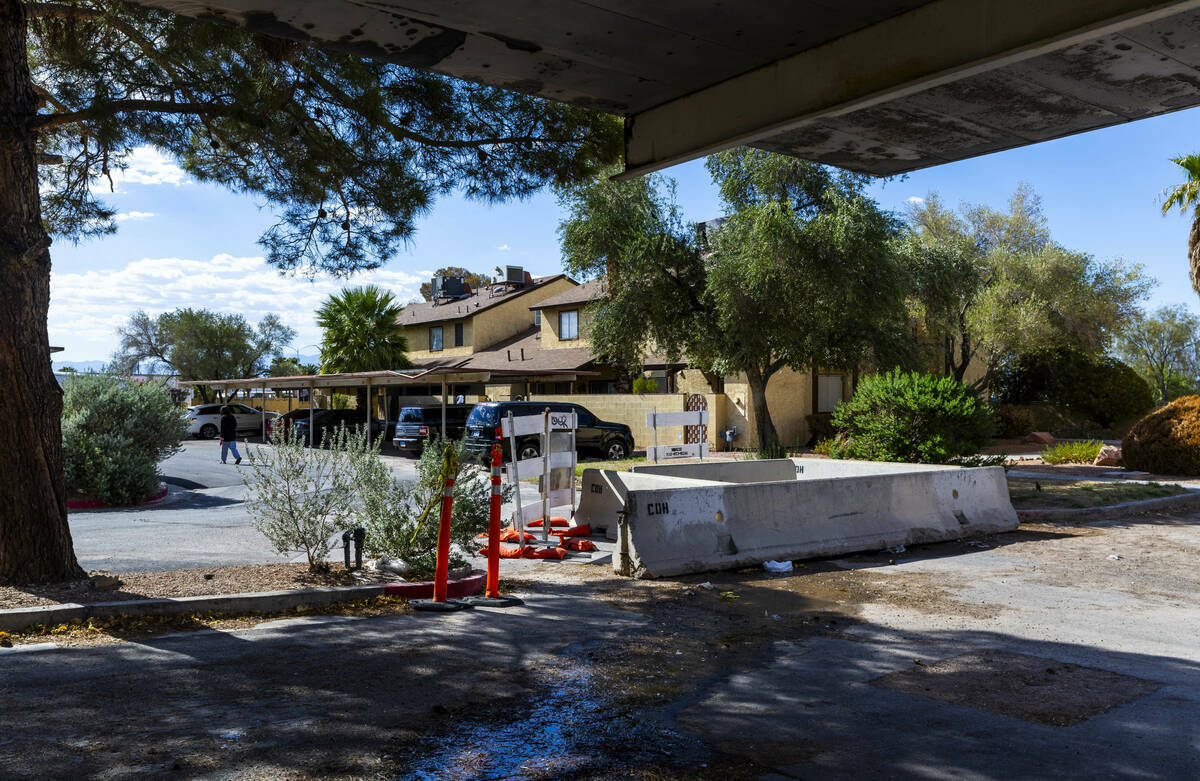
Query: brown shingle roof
{"x": 580, "y": 294}
{"x": 427, "y": 312}
{"x": 524, "y": 353}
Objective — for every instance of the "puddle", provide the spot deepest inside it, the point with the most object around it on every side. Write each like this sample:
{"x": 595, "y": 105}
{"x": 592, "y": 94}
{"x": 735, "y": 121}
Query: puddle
{"x": 568, "y": 731}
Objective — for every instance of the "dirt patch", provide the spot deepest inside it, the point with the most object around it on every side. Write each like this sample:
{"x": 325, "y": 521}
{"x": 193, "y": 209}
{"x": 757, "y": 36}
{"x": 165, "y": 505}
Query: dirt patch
{"x": 188, "y": 583}
{"x": 1027, "y": 687}
{"x": 1029, "y": 493}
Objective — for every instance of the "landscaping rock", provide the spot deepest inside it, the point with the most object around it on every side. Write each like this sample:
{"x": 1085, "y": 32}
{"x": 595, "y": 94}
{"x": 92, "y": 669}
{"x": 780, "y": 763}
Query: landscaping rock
{"x": 1109, "y": 455}
{"x": 395, "y": 566}
{"x": 1040, "y": 438}
{"x": 104, "y": 582}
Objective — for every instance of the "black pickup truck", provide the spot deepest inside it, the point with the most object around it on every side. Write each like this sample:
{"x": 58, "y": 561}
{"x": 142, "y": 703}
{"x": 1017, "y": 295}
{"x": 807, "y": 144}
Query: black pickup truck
{"x": 417, "y": 424}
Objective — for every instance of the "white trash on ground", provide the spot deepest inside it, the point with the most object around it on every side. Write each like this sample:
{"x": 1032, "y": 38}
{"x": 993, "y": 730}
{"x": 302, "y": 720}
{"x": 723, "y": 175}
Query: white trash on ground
{"x": 777, "y": 566}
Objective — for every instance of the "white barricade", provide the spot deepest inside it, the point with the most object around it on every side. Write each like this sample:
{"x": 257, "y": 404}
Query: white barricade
{"x": 657, "y": 419}
{"x": 550, "y": 466}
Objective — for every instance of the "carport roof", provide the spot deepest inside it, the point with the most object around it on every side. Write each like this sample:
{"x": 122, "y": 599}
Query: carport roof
{"x": 878, "y": 86}
{"x": 417, "y": 376}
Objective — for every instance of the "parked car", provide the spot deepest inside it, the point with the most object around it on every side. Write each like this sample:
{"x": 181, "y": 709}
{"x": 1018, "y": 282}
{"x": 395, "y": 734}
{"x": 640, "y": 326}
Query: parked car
{"x": 612, "y": 440}
{"x": 204, "y": 420}
{"x": 418, "y": 424}
{"x": 326, "y": 422}
{"x": 284, "y": 422}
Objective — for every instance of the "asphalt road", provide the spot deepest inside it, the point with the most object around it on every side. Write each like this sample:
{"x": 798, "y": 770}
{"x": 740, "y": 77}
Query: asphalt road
{"x": 203, "y": 522}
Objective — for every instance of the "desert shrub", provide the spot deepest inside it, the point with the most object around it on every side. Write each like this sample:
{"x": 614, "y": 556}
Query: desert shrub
{"x": 1073, "y": 452}
{"x": 115, "y": 432}
{"x": 912, "y": 417}
{"x": 392, "y": 511}
{"x": 1167, "y": 441}
{"x": 300, "y": 496}
{"x": 645, "y": 385}
{"x": 825, "y": 447}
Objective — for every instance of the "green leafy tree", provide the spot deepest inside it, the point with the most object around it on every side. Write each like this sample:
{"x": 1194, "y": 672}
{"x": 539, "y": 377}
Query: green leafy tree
{"x": 198, "y": 344}
{"x": 476, "y": 281}
{"x": 799, "y": 272}
{"x": 346, "y": 152}
{"x": 1187, "y": 196}
{"x": 362, "y": 333}
{"x": 1164, "y": 347}
{"x": 990, "y": 286}
{"x": 290, "y": 367}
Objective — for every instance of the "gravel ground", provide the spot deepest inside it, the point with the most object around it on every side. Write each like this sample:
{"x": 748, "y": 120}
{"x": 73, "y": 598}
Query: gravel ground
{"x": 187, "y": 583}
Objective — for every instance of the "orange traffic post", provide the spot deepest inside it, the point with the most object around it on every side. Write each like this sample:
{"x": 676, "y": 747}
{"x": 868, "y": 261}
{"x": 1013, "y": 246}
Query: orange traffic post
{"x": 443, "y": 545}
{"x": 493, "y": 565}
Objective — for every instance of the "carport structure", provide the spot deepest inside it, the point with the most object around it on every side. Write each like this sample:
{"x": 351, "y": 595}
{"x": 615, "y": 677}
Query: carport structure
{"x": 381, "y": 380}
{"x": 876, "y": 86}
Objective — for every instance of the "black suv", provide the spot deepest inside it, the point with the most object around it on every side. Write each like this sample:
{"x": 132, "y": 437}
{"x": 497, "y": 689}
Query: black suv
{"x": 418, "y": 424}
{"x": 612, "y": 440}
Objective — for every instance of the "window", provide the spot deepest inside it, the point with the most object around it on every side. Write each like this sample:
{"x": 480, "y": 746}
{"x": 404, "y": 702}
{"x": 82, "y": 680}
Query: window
{"x": 458, "y": 334}
{"x": 537, "y": 317}
{"x": 568, "y": 324}
{"x": 435, "y": 338}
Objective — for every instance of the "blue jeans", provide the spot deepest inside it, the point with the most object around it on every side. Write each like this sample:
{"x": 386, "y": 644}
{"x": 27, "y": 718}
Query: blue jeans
{"x": 226, "y": 446}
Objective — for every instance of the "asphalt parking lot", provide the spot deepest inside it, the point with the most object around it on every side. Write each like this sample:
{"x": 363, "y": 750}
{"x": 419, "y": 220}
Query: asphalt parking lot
{"x": 203, "y": 522}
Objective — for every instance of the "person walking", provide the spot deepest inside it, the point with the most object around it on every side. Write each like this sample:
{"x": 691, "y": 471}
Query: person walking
{"x": 229, "y": 436}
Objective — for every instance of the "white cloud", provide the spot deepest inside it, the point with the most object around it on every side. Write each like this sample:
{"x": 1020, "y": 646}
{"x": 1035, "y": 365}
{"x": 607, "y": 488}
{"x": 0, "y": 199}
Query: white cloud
{"x": 123, "y": 216}
{"x": 87, "y": 308}
{"x": 148, "y": 165}
{"x": 915, "y": 200}
{"x": 504, "y": 248}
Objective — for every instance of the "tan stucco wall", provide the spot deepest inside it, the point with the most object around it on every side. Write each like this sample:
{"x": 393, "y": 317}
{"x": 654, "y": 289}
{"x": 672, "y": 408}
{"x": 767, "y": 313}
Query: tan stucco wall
{"x": 631, "y": 409}
{"x": 549, "y": 331}
{"x": 486, "y": 327}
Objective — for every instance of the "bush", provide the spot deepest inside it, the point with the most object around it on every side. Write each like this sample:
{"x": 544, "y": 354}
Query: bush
{"x": 912, "y": 417}
{"x": 645, "y": 385}
{"x": 1167, "y": 441}
{"x": 115, "y": 432}
{"x": 301, "y": 497}
{"x": 1104, "y": 390}
{"x": 392, "y": 511}
{"x": 1073, "y": 452}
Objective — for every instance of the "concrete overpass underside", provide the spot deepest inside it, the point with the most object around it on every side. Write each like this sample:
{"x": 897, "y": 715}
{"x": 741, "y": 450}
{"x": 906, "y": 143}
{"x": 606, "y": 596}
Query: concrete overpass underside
{"x": 877, "y": 86}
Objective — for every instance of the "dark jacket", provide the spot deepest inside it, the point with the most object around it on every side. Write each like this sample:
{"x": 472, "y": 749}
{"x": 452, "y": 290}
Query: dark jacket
{"x": 228, "y": 427}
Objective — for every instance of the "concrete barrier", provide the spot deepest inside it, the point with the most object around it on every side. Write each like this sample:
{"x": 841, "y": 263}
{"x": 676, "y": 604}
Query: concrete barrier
{"x": 672, "y": 525}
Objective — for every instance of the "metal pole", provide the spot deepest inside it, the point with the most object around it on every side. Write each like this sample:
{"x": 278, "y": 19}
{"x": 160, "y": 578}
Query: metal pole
{"x": 654, "y": 421}
{"x": 369, "y": 415}
{"x": 312, "y": 392}
{"x": 443, "y": 407}
{"x": 519, "y": 519}
{"x": 264, "y": 413}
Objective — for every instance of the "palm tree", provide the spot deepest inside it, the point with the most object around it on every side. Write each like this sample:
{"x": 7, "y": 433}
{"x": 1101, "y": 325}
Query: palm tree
{"x": 1187, "y": 195}
{"x": 362, "y": 333}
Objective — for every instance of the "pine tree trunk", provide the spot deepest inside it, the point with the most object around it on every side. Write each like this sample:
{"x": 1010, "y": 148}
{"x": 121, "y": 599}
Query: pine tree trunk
{"x": 35, "y": 540}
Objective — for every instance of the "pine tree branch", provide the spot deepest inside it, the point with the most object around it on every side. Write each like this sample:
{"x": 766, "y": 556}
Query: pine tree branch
{"x": 111, "y": 108}
{"x": 40, "y": 10}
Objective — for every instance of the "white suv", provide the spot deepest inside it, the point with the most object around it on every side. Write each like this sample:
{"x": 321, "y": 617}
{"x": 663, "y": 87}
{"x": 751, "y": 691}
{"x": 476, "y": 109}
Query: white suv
{"x": 204, "y": 420}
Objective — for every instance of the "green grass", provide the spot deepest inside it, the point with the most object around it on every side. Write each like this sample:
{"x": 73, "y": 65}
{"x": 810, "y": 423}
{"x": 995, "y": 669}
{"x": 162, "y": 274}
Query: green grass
{"x": 618, "y": 466}
{"x": 1072, "y": 452}
{"x": 1026, "y": 495}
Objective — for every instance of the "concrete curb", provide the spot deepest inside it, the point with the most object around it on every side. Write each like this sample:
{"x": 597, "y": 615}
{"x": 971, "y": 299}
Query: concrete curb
{"x": 1188, "y": 501}
{"x": 16, "y": 619}
{"x": 96, "y": 504}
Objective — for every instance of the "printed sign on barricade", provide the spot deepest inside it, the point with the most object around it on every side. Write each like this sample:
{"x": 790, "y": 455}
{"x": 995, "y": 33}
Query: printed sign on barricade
{"x": 667, "y": 452}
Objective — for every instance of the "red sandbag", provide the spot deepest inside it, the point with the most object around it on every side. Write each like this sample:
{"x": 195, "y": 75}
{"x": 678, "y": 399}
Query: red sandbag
{"x": 578, "y": 545}
{"x": 506, "y": 551}
{"x": 575, "y": 531}
{"x": 532, "y": 552}
{"x": 508, "y": 534}
{"x": 553, "y": 523}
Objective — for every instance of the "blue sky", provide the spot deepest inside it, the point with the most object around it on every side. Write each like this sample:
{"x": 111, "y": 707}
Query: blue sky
{"x": 181, "y": 243}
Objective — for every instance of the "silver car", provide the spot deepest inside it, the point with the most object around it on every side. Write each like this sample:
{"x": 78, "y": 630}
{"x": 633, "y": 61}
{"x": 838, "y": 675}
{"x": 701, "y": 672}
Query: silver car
{"x": 204, "y": 420}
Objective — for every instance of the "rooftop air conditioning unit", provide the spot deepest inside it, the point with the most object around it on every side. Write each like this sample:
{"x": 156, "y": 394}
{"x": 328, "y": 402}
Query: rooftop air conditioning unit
{"x": 514, "y": 275}
{"x": 449, "y": 287}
